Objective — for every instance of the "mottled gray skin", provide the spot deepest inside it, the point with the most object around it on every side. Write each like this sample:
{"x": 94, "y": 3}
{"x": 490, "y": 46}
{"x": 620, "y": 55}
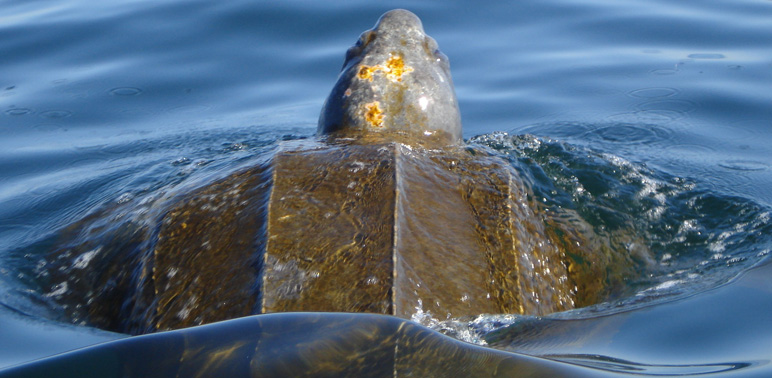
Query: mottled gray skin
{"x": 395, "y": 81}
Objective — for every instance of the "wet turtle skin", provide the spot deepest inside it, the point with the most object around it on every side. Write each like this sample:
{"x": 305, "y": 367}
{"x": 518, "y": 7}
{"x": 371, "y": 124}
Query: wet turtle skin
{"x": 395, "y": 81}
{"x": 387, "y": 212}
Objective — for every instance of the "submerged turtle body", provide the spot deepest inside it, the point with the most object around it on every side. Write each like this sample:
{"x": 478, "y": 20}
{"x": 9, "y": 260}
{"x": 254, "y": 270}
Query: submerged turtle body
{"x": 386, "y": 213}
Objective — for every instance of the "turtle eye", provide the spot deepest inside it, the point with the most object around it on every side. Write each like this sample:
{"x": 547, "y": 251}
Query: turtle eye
{"x": 365, "y": 38}
{"x": 442, "y": 60}
{"x": 433, "y": 50}
{"x": 356, "y": 50}
{"x": 441, "y": 57}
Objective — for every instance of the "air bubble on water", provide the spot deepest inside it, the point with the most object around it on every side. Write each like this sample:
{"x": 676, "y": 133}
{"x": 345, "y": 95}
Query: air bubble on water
{"x": 83, "y": 260}
{"x": 125, "y": 197}
{"x": 181, "y": 161}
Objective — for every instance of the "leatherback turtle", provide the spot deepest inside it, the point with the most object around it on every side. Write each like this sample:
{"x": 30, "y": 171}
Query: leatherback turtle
{"x": 387, "y": 211}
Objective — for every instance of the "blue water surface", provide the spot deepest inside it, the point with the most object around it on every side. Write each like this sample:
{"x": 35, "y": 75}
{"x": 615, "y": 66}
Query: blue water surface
{"x": 104, "y": 102}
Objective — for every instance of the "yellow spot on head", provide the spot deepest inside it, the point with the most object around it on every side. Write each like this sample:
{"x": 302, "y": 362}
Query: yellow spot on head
{"x": 366, "y": 72}
{"x": 348, "y": 92}
{"x": 395, "y": 67}
{"x": 373, "y": 113}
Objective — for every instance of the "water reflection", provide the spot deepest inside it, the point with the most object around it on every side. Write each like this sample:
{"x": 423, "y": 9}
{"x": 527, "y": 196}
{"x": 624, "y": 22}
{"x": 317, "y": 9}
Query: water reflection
{"x": 623, "y": 366}
{"x": 295, "y": 345}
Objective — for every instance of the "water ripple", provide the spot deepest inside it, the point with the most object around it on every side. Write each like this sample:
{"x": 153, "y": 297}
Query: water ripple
{"x": 18, "y": 111}
{"x": 631, "y": 133}
{"x": 56, "y": 114}
{"x": 706, "y": 56}
{"x": 647, "y": 116}
{"x": 671, "y": 105}
{"x": 125, "y": 91}
{"x": 630, "y": 367}
{"x": 557, "y": 129}
{"x": 744, "y": 165}
{"x": 654, "y": 92}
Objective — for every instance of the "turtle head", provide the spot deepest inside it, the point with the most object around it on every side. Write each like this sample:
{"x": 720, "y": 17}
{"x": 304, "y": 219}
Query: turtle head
{"x": 396, "y": 84}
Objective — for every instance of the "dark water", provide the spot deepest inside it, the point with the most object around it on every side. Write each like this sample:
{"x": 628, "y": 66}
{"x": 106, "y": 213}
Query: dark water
{"x": 654, "y": 115}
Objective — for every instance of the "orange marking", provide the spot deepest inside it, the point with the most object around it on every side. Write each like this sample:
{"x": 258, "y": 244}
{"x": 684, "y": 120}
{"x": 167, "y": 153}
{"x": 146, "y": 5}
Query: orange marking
{"x": 374, "y": 114}
{"x": 393, "y": 69}
{"x": 366, "y": 72}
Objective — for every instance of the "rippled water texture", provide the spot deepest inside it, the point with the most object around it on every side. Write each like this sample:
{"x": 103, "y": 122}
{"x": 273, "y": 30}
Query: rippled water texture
{"x": 645, "y": 117}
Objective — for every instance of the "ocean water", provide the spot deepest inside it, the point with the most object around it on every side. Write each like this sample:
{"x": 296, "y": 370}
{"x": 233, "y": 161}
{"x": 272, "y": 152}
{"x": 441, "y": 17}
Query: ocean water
{"x": 653, "y": 114}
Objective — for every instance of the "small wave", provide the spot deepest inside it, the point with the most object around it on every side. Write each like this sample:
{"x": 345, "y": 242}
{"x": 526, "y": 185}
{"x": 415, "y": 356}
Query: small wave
{"x": 697, "y": 239}
{"x": 647, "y": 369}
